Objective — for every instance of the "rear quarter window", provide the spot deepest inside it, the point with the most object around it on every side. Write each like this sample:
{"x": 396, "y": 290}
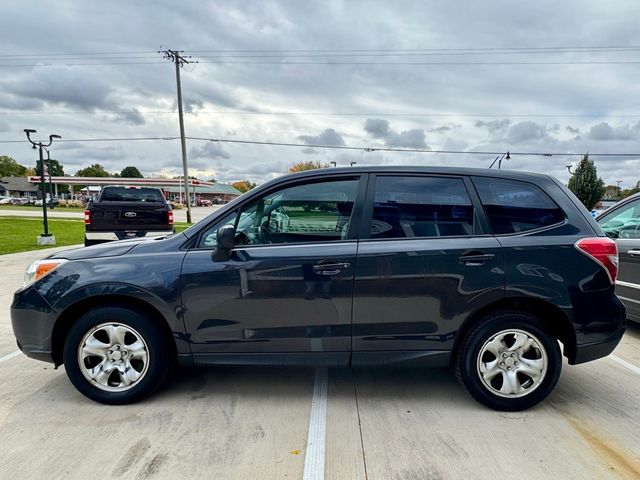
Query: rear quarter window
{"x": 513, "y": 206}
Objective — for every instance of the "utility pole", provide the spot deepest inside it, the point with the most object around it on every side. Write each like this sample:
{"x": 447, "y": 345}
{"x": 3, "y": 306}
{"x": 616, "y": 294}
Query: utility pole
{"x": 175, "y": 57}
{"x": 46, "y": 238}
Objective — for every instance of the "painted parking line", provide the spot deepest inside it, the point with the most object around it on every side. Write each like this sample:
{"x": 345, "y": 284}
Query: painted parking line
{"x": 624, "y": 363}
{"x": 314, "y": 457}
{"x": 9, "y": 356}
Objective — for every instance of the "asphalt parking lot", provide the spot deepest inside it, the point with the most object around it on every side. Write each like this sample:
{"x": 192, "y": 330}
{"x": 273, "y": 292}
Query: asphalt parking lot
{"x": 263, "y": 423}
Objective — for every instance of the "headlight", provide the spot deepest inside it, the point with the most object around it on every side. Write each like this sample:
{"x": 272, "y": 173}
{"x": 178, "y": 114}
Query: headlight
{"x": 40, "y": 268}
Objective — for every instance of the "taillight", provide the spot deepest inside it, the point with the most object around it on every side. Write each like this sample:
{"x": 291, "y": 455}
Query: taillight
{"x": 87, "y": 217}
{"x": 604, "y": 251}
{"x": 170, "y": 217}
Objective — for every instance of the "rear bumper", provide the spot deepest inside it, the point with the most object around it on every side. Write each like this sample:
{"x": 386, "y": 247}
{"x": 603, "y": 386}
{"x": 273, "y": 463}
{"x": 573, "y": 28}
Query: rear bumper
{"x": 586, "y": 353}
{"x": 600, "y": 335}
{"x": 108, "y": 236}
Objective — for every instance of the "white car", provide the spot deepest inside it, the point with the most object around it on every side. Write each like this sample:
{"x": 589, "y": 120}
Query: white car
{"x": 5, "y": 200}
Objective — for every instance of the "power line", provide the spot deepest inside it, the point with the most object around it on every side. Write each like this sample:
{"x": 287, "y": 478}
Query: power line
{"x": 603, "y": 62}
{"x": 408, "y": 150}
{"x": 37, "y": 65}
{"x": 339, "y": 114}
{"x": 343, "y": 147}
{"x": 74, "y": 54}
{"x": 339, "y": 50}
{"x": 409, "y": 54}
{"x": 116, "y": 139}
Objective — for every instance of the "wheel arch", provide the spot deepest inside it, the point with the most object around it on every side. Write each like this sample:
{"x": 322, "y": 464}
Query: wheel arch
{"x": 79, "y": 308}
{"x": 553, "y": 319}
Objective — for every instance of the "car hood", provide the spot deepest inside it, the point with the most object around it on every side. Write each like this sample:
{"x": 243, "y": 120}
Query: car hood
{"x": 111, "y": 249}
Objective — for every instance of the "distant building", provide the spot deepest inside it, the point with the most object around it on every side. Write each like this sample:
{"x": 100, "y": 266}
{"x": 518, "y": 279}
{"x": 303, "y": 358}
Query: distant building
{"x": 17, "y": 187}
{"x": 218, "y": 193}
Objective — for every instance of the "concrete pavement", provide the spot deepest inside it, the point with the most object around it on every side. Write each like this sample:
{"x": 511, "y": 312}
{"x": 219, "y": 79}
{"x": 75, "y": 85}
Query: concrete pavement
{"x": 254, "y": 423}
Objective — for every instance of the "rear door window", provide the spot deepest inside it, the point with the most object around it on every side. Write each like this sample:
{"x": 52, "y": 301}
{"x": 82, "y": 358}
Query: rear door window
{"x": 513, "y": 206}
{"x": 410, "y": 207}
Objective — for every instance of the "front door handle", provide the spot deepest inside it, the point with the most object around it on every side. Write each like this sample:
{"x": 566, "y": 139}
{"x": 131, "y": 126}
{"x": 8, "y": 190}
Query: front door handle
{"x": 474, "y": 260}
{"x": 330, "y": 268}
{"x": 634, "y": 253}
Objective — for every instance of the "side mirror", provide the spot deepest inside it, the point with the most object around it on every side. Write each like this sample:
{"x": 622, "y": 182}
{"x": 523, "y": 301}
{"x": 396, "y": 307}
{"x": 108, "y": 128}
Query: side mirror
{"x": 225, "y": 241}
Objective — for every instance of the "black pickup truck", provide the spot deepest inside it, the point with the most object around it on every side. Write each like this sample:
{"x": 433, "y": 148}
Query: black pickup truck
{"x": 122, "y": 212}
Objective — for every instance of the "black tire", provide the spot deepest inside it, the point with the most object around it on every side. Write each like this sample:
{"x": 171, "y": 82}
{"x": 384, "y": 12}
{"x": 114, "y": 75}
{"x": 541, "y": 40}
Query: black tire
{"x": 114, "y": 391}
{"x": 527, "y": 391}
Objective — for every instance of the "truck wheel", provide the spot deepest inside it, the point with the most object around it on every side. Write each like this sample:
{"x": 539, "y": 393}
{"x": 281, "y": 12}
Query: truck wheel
{"x": 115, "y": 355}
{"x": 508, "y": 362}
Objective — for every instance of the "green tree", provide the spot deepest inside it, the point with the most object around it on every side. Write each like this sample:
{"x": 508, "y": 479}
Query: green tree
{"x": 10, "y": 168}
{"x": 95, "y": 170}
{"x": 243, "y": 186}
{"x": 308, "y": 165}
{"x": 131, "y": 172}
{"x": 585, "y": 183}
{"x": 56, "y": 170}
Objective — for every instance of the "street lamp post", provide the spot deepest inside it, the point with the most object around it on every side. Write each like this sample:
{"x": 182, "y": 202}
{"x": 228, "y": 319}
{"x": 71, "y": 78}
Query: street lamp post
{"x": 46, "y": 238}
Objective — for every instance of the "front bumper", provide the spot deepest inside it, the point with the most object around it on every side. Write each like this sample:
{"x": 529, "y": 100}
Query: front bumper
{"x": 32, "y": 319}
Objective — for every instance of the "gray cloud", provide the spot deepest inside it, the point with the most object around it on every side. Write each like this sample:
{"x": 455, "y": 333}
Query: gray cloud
{"x": 527, "y": 131}
{"x": 209, "y": 150}
{"x": 328, "y": 137}
{"x": 380, "y": 129}
{"x": 494, "y": 126}
{"x": 78, "y": 87}
{"x": 604, "y": 131}
{"x": 133, "y": 117}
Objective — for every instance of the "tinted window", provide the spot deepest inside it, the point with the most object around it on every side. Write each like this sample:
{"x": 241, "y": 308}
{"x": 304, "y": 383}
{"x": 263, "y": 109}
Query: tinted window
{"x": 625, "y": 223}
{"x": 131, "y": 194}
{"x": 421, "y": 207}
{"x": 210, "y": 236}
{"x": 314, "y": 212}
{"x": 514, "y": 206}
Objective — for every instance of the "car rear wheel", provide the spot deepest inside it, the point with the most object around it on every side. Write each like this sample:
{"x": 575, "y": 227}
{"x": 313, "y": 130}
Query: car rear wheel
{"x": 508, "y": 362}
{"x": 115, "y": 355}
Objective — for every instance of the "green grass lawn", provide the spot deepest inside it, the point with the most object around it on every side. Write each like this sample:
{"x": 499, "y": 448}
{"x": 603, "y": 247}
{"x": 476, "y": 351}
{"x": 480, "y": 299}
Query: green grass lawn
{"x": 31, "y": 208}
{"x": 19, "y": 234}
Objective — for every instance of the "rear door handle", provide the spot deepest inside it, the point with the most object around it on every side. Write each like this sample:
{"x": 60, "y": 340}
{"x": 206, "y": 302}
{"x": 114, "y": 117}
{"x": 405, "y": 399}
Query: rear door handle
{"x": 634, "y": 253}
{"x": 330, "y": 268}
{"x": 473, "y": 260}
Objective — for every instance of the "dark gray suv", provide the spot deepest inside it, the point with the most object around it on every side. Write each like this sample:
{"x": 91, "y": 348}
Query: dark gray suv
{"x": 483, "y": 270}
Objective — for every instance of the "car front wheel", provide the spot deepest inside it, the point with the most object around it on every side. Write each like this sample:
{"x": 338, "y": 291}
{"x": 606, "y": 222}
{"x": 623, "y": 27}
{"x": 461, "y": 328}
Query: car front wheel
{"x": 115, "y": 355}
{"x": 508, "y": 362}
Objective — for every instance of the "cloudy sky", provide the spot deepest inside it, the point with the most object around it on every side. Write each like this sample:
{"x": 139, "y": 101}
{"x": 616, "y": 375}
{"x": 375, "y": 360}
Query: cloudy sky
{"x": 558, "y": 77}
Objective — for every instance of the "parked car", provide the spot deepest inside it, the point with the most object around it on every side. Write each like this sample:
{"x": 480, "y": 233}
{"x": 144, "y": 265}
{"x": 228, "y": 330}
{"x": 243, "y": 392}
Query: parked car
{"x": 51, "y": 202}
{"x": 483, "y": 270}
{"x": 205, "y": 203}
{"x": 21, "y": 201}
{"x": 5, "y": 200}
{"x": 121, "y": 212}
{"x": 622, "y": 223}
